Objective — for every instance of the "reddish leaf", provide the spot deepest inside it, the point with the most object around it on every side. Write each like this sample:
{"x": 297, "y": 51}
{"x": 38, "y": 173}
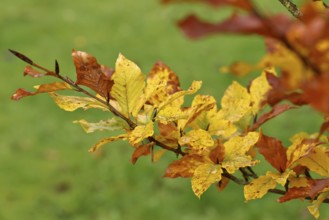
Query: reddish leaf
{"x": 275, "y": 111}
{"x": 143, "y": 150}
{"x": 316, "y": 92}
{"x": 295, "y": 193}
{"x": 241, "y": 24}
{"x": 243, "y": 4}
{"x": 324, "y": 127}
{"x": 217, "y": 154}
{"x": 51, "y": 87}
{"x": 273, "y": 151}
{"x": 92, "y": 74}
{"x": 311, "y": 191}
{"x": 184, "y": 167}
{"x": 32, "y": 72}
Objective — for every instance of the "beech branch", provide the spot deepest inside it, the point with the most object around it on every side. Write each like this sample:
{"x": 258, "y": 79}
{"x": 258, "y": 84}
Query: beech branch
{"x": 292, "y": 8}
{"x": 78, "y": 88}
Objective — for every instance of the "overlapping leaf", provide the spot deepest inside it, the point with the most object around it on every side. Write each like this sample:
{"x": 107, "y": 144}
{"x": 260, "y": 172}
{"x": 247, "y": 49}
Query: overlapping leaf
{"x": 128, "y": 84}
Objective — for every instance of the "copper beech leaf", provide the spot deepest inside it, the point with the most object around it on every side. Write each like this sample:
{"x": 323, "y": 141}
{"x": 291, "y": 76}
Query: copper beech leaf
{"x": 112, "y": 124}
{"x": 91, "y": 74}
{"x": 185, "y": 166}
{"x": 100, "y": 143}
{"x": 128, "y": 85}
{"x": 204, "y": 176}
{"x": 273, "y": 151}
{"x": 72, "y": 103}
{"x": 44, "y": 88}
{"x": 142, "y": 150}
{"x": 243, "y": 4}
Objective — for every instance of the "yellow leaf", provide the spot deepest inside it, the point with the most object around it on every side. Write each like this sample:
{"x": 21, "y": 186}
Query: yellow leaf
{"x": 297, "y": 182}
{"x": 221, "y": 127}
{"x": 128, "y": 85}
{"x": 258, "y": 91}
{"x": 197, "y": 139}
{"x": 297, "y": 149}
{"x": 235, "y": 103}
{"x": 107, "y": 140}
{"x": 204, "y": 176}
{"x": 314, "y": 208}
{"x": 239, "y": 68}
{"x": 72, "y": 103}
{"x": 200, "y": 104}
{"x": 170, "y": 113}
{"x": 196, "y": 85}
{"x": 281, "y": 178}
{"x": 235, "y": 152}
{"x": 317, "y": 161}
{"x": 140, "y": 133}
{"x": 112, "y": 124}
{"x": 259, "y": 187}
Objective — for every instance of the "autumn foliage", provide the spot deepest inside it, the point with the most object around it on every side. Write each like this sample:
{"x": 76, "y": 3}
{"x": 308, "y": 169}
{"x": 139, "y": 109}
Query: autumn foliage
{"x": 217, "y": 142}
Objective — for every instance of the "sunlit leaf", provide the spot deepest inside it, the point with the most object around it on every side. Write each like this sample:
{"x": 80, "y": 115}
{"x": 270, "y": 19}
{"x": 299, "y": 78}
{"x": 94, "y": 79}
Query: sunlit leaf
{"x": 106, "y": 141}
{"x": 112, "y": 124}
{"x": 235, "y": 103}
{"x": 140, "y": 133}
{"x": 317, "y": 161}
{"x": 72, "y": 103}
{"x": 128, "y": 84}
{"x": 259, "y": 187}
{"x": 204, "y": 176}
{"x": 236, "y": 150}
{"x": 196, "y": 85}
{"x": 258, "y": 91}
{"x": 197, "y": 139}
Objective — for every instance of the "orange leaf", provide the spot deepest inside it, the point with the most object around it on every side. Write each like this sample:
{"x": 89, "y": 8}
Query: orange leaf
{"x": 91, "y": 74}
{"x": 185, "y": 166}
{"x": 51, "y": 87}
{"x": 142, "y": 150}
{"x": 273, "y": 151}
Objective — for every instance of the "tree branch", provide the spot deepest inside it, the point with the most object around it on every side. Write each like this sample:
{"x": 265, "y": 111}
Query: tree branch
{"x": 292, "y": 8}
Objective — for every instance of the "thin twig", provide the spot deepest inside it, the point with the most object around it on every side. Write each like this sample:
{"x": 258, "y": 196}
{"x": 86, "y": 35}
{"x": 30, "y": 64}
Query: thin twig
{"x": 292, "y": 8}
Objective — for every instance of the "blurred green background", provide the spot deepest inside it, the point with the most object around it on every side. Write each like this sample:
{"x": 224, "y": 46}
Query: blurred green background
{"x": 45, "y": 169}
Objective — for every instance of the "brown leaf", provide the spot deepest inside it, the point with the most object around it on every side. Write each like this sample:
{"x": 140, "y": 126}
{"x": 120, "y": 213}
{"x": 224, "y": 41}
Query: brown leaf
{"x": 194, "y": 27}
{"x": 218, "y": 153}
{"x": 91, "y": 74}
{"x": 32, "y": 72}
{"x": 184, "y": 167}
{"x": 316, "y": 92}
{"x": 273, "y": 151}
{"x": 311, "y": 191}
{"x": 275, "y": 111}
{"x": 51, "y": 87}
{"x": 142, "y": 150}
{"x": 243, "y": 4}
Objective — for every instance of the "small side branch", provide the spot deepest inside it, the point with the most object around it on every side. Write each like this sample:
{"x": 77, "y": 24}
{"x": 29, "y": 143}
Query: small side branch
{"x": 292, "y": 8}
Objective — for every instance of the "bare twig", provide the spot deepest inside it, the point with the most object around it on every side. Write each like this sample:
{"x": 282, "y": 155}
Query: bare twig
{"x": 292, "y": 8}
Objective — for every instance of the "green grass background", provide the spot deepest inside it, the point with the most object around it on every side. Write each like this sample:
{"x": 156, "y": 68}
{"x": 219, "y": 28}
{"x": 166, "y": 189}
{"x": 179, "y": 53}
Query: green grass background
{"x": 45, "y": 169}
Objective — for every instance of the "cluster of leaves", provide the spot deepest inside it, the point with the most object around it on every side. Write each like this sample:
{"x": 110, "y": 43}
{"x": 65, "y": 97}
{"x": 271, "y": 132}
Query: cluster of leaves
{"x": 216, "y": 145}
